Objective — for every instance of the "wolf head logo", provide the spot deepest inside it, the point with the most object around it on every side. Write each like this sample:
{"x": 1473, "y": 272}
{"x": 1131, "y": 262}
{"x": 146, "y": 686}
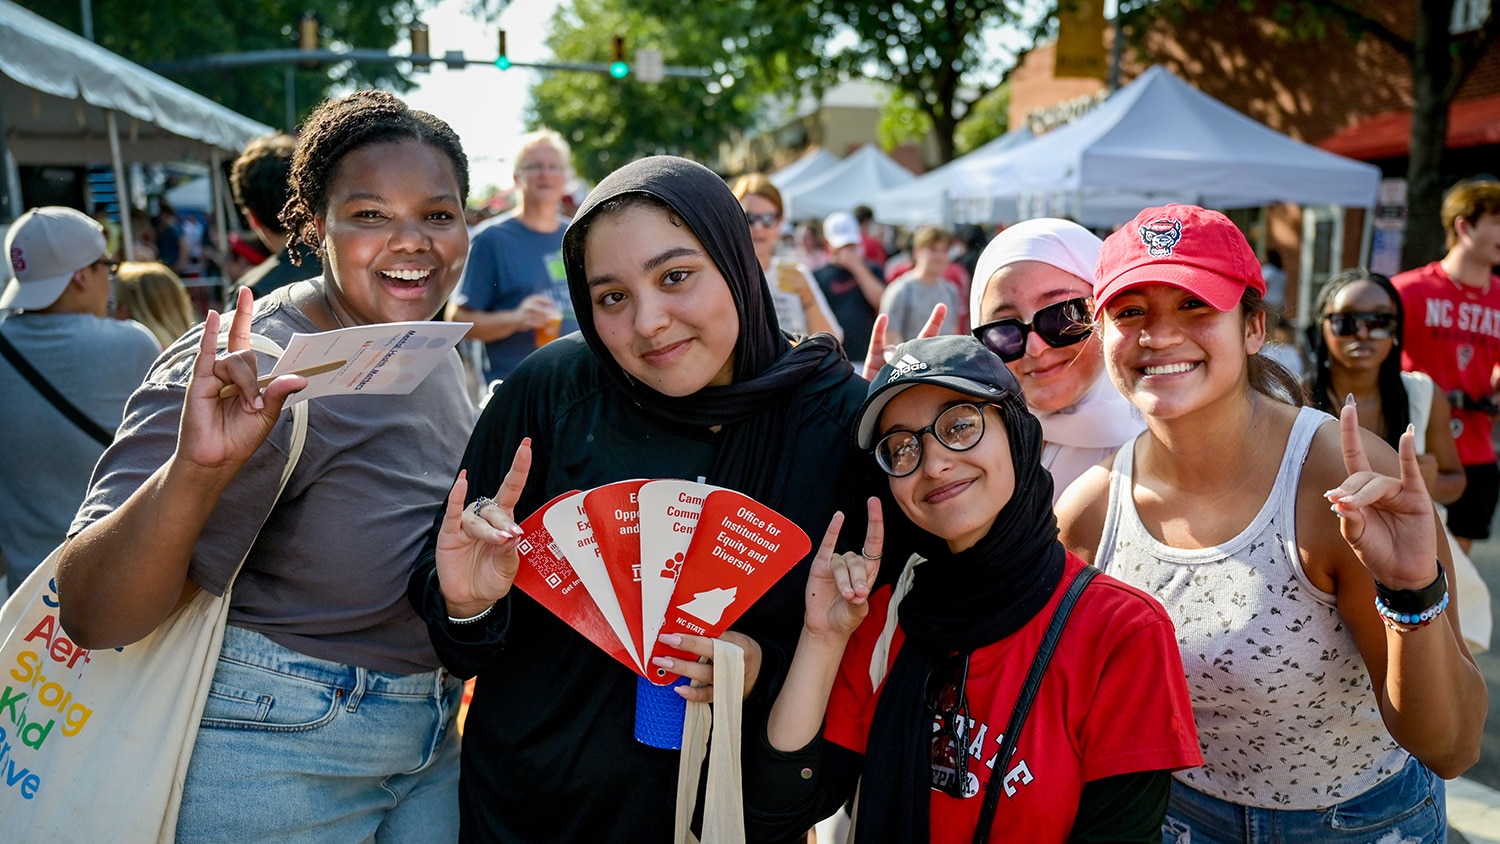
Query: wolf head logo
{"x": 1161, "y": 236}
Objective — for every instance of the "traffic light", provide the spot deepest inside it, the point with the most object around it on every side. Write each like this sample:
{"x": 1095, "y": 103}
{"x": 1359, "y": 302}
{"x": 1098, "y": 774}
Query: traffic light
{"x": 502, "y": 60}
{"x": 419, "y": 45}
{"x": 618, "y": 68}
{"x": 307, "y": 36}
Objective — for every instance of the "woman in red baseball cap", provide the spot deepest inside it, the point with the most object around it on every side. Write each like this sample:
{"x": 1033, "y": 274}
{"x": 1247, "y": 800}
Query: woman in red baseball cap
{"x": 1330, "y": 681}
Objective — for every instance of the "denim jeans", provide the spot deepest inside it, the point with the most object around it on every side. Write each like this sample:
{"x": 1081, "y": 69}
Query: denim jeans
{"x": 297, "y": 749}
{"x": 1407, "y": 808}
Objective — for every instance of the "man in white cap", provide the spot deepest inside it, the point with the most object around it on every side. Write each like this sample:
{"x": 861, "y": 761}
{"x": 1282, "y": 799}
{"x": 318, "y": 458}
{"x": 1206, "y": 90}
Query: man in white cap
{"x": 852, "y": 286}
{"x": 1029, "y": 300}
{"x": 80, "y": 367}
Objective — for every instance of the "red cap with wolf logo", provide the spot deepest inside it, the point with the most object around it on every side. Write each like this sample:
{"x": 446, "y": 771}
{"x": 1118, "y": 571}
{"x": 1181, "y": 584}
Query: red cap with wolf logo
{"x": 1182, "y": 245}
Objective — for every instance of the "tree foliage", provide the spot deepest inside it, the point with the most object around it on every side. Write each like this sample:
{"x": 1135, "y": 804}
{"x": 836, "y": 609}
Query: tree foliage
{"x": 611, "y": 122}
{"x": 150, "y": 31}
{"x": 934, "y": 52}
{"x": 1440, "y": 62}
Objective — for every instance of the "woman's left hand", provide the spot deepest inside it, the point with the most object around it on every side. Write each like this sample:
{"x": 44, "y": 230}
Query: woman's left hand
{"x": 1389, "y": 522}
{"x": 701, "y": 673}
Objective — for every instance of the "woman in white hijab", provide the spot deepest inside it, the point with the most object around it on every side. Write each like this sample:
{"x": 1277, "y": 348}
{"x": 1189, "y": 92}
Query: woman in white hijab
{"x": 1029, "y": 299}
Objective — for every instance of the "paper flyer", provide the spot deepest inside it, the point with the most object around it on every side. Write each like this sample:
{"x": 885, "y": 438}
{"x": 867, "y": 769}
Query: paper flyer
{"x": 547, "y": 576}
{"x": 571, "y": 530}
{"x": 669, "y": 515}
{"x": 614, "y": 511}
{"x": 624, "y": 561}
{"x": 739, "y": 550}
{"x": 389, "y": 358}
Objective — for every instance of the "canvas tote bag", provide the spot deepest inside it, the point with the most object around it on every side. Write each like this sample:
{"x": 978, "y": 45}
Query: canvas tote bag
{"x": 94, "y": 745}
{"x": 723, "y": 801}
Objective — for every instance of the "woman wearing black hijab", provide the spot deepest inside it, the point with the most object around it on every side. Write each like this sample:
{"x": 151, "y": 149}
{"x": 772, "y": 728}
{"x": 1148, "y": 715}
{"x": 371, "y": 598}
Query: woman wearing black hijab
{"x": 912, "y": 687}
{"x": 678, "y": 371}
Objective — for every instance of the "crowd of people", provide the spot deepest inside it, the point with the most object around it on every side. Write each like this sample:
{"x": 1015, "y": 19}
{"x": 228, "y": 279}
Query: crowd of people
{"x": 1088, "y": 563}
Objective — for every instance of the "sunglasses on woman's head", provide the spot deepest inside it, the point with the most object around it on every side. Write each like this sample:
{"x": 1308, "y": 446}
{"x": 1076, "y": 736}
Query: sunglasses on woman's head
{"x": 767, "y": 220}
{"x": 1061, "y": 324}
{"x": 1379, "y": 325}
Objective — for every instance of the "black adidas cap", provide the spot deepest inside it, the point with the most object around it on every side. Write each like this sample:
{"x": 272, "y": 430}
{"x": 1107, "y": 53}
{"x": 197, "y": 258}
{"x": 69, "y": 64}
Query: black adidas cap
{"x": 957, "y": 362}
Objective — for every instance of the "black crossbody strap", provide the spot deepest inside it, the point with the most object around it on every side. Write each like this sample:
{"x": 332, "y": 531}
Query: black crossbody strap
{"x": 50, "y": 393}
{"x": 1023, "y": 702}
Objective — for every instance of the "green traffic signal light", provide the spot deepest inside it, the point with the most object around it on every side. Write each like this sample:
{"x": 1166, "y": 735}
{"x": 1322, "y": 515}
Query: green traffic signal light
{"x": 618, "y": 68}
{"x": 503, "y": 62}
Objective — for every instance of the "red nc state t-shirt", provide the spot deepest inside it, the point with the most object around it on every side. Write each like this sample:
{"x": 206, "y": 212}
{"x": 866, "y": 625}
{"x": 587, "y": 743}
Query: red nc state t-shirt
{"x": 1453, "y": 334}
{"x": 1114, "y": 701}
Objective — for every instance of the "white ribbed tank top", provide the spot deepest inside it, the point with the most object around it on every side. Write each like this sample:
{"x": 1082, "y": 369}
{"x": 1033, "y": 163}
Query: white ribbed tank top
{"x": 1286, "y": 715}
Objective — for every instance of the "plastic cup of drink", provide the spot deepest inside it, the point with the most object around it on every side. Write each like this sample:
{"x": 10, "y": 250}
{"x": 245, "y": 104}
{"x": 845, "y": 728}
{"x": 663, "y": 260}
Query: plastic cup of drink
{"x": 550, "y": 331}
{"x": 789, "y": 278}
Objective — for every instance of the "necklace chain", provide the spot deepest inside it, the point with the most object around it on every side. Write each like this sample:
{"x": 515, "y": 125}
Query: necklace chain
{"x": 328, "y": 303}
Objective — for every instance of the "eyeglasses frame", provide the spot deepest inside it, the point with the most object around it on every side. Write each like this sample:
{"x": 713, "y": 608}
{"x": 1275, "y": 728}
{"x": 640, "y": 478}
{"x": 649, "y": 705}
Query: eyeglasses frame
{"x": 932, "y": 429}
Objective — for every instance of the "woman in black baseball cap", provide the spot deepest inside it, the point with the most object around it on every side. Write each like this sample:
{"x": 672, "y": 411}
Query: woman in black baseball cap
{"x": 921, "y": 699}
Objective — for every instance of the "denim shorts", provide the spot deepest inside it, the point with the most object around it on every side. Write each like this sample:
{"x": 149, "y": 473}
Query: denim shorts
{"x": 1408, "y": 807}
{"x": 297, "y": 749}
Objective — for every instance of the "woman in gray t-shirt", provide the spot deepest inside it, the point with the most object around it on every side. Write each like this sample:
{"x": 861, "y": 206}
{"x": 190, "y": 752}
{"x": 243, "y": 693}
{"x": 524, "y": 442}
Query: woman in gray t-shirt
{"x": 329, "y": 718}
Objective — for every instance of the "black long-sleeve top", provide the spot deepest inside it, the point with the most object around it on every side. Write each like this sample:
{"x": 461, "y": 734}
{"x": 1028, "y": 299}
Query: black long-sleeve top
{"x": 549, "y": 751}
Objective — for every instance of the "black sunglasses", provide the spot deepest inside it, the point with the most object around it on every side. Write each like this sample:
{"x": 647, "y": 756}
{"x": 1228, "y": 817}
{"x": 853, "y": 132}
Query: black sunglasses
{"x": 949, "y": 707}
{"x": 959, "y": 428}
{"x": 768, "y": 220}
{"x": 1379, "y": 325}
{"x": 1061, "y": 324}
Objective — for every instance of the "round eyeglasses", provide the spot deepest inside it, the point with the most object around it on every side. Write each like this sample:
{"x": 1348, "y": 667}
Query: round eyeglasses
{"x": 1061, "y": 324}
{"x": 959, "y": 428}
{"x": 1379, "y": 325}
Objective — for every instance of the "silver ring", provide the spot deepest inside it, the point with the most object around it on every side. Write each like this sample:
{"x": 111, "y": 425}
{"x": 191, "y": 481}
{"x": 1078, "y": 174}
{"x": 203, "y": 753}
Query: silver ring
{"x": 479, "y": 504}
{"x": 868, "y": 556}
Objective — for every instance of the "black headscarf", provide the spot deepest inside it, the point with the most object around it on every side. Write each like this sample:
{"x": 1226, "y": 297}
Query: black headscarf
{"x": 756, "y": 408}
{"x": 958, "y": 603}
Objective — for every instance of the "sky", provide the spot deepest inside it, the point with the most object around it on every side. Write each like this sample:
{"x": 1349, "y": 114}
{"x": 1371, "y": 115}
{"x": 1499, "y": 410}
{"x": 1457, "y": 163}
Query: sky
{"x": 482, "y": 103}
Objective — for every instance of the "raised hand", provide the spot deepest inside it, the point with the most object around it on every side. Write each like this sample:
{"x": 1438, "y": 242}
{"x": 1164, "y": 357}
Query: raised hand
{"x": 477, "y": 555}
{"x": 1388, "y": 521}
{"x": 879, "y": 353}
{"x": 222, "y": 433}
{"x": 838, "y": 587}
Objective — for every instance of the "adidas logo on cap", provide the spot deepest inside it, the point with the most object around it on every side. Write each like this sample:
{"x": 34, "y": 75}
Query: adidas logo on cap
{"x": 905, "y": 366}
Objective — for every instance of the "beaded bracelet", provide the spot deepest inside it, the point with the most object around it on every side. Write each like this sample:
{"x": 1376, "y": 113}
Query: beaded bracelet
{"x": 1403, "y": 622}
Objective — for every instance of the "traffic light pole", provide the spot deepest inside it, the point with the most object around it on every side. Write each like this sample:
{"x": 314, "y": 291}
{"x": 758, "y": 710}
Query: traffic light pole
{"x": 454, "y": 59}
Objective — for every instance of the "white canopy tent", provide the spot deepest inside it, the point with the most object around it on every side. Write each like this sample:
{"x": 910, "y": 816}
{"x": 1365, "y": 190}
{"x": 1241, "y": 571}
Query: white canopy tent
{"x": 926, "y": 201}
{"x": 811, "y": 165}
{"x": 1159, "y": 140}
{"x": 856, "y": 180}
{"x": 66, "y": 100}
